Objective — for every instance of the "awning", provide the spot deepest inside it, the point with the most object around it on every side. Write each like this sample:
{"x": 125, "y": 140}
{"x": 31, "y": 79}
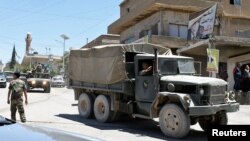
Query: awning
{"x": 228, "y": 46}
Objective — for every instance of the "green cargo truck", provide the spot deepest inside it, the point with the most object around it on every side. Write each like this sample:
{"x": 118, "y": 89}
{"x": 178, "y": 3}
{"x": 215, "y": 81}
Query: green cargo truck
{"x": 107, "y": 82}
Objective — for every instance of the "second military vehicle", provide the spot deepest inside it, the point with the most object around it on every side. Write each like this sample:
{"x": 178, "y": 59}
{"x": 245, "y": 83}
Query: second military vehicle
{"x": 39, "y": 80}
{"x": 107, "y": 81}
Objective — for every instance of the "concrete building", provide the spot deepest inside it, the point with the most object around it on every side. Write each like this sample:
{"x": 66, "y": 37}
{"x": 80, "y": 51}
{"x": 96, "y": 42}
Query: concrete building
{"x": 103, "y": 40}
{"x": 50, "y": 61}
{"x": 165, "y": 22}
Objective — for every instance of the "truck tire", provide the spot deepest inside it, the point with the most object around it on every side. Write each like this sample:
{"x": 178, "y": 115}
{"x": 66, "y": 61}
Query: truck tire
{"x": 102, "y": 109}
{"x": 220, "y": 119}
{"x": 85, "y": 105}
{"x": 174, "y": 122}
{"x": 28, "y": 88}
{"x": 47, "y": 90}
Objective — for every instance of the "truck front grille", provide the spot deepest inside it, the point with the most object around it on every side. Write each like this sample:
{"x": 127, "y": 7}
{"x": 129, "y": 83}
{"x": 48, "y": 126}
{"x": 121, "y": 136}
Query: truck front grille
{"x": 217, "y": 94}
{"x": 213, "y": 95}
{"x": 214, "y": 90}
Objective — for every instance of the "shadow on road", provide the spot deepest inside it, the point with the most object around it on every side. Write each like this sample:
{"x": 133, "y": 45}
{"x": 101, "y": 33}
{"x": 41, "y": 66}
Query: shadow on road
{"x": 139, "y": 127}
{"x": 35, "y": 91}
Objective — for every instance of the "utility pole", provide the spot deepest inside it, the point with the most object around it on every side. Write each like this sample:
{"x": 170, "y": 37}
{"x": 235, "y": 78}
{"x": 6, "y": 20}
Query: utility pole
{"x": 65, "y": 37}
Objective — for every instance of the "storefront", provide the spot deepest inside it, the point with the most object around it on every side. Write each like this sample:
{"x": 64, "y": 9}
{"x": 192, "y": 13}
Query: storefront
{"x": 231, "y": 51}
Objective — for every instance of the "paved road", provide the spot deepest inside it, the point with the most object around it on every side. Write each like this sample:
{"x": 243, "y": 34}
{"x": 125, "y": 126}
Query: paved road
{"x": 59, "y": 110}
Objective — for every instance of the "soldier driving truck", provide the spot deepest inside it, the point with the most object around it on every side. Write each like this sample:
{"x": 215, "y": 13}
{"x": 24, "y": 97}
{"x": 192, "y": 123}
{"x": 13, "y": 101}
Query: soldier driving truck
{"x": 107, "y": 82}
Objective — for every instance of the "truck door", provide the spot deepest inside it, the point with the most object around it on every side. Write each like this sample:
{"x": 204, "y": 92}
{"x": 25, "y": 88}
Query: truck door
{"x": 144, "y": 83}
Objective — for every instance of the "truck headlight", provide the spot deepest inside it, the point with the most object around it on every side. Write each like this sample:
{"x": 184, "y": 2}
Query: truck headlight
{"x": 187, "y": 99}
{"x": 230, "y": 95}
{"x": 171, "y": 87}
{"x": 33, "y": 82}
{"x": 201, "y": 91}
{"x": 44, "y": 82}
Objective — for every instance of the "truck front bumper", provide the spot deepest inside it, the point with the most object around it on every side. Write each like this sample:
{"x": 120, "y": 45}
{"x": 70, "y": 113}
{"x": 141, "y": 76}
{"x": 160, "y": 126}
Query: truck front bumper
{"x": 213, "y": 109}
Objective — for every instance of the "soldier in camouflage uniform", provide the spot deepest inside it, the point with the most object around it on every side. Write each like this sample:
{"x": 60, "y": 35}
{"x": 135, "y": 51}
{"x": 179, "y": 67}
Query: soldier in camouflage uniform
{"x": 15, "y": 97}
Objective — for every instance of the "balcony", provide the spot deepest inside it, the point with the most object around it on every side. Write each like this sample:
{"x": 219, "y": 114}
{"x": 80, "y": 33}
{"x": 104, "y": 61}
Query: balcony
{"x": 152, "y": 6}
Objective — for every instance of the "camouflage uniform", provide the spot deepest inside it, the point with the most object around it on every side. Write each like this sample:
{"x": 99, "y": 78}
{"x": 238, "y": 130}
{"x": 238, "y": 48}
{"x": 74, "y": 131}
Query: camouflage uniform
{"x": 17, "y": 88}
{"x": 39, "y": 68}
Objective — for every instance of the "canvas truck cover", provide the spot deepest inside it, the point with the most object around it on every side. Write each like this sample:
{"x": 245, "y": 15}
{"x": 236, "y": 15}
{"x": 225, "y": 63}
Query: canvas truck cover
{"x": 105, "y": 64}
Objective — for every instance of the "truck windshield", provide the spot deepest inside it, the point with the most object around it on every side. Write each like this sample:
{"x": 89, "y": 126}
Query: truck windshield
{"x": 186, "y": 66}
{"x": 173, "y": 66}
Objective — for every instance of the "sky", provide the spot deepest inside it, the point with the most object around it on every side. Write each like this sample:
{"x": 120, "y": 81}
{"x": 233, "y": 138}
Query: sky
{"x": 46, "y": 20}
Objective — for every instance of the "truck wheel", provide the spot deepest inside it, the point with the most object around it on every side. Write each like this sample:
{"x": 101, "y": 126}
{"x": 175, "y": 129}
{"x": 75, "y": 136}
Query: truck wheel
{"x": 102, "y": 109}
{"x": 219, "y": 119}
{"x": 28, "y": 88}
{"x": 85, "y": 105}
{"x": 174, "y": 122}
{"x": 47, "y": 90}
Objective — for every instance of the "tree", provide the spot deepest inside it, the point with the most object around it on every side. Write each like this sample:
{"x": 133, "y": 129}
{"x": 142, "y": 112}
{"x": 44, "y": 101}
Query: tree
{"x": 13, "y": 58}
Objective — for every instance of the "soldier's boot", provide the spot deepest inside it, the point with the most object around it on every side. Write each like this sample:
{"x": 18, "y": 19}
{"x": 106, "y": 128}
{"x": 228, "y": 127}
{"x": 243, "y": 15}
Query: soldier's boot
{"x": 22, "y": 117}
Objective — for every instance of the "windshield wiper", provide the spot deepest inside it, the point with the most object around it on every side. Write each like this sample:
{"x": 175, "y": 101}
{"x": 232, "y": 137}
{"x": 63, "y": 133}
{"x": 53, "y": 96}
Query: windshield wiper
{"x": 5, "y": 121}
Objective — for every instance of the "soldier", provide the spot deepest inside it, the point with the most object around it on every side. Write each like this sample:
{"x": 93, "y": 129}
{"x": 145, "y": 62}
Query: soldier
{"x": 146, "y": 69}
{"x": 15, "y": 97}
{"x": 39, "y": 68}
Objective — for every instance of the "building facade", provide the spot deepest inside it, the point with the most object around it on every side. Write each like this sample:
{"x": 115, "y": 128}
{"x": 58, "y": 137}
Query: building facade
{"x": 165, "y": 22}
{"x": 52, "y": 63}
{"x": 103, "y": 40}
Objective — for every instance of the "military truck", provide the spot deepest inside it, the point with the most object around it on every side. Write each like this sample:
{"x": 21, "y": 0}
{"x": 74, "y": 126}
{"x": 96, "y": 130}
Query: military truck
{"x": 38, "y": 80}
{"x": 107, "y": 82}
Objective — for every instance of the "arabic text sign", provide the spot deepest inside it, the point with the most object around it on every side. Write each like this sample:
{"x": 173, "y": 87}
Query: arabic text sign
{"x": 212, "y": 60}
{"x": 202, "y": 25}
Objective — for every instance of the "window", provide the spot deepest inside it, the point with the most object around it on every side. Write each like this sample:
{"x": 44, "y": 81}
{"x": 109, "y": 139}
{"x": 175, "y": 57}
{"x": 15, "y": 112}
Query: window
{"x": 155, "y": 29}
{"x": 145, "y": 67}
{"x": 168, "y": 67}
{"x": 183, "y": 32}
{"x": 235, "y": 2}
{"x": 173, "y": 30}
{"x": 197, "y": 67}
{"x": 176, "y": 30}
{"x": 145, "y": 33}
{"x": 128, "y": 10}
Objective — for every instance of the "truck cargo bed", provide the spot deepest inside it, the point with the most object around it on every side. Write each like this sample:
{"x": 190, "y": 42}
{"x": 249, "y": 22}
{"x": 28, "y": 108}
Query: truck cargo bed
{"x": 125, "y": 87}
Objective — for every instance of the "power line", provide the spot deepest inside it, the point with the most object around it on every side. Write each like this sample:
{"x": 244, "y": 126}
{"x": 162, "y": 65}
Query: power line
{"x": 28, "y": 14}
{"x": 58, "y": 15}
{"x": 20, "y": 4}
{"x": 96, "y": 24}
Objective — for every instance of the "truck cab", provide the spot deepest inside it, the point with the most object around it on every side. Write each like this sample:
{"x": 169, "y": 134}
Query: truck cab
{"x": 174, "y": 94}
{"x": 146, "y": 86}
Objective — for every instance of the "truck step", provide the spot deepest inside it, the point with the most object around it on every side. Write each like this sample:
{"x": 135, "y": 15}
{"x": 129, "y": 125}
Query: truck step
{"x": 140, "y": 116}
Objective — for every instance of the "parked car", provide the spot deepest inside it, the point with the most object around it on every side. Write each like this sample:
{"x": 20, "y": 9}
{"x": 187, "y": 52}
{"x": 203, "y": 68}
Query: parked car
{"x": 12, "y": 131}
{"x": 9, "y": 75}
{"x": 3, "y": 80}
{"x": 57, "y": 81}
